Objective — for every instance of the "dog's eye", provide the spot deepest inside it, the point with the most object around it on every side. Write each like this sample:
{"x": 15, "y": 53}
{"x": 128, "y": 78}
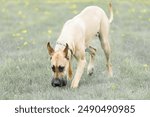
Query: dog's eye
{"x": 61, "y": 68}
{"x": 53, "y": 68}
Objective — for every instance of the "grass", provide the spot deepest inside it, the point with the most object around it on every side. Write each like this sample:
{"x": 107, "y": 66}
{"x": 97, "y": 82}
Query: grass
{"x": 26, "y": 27}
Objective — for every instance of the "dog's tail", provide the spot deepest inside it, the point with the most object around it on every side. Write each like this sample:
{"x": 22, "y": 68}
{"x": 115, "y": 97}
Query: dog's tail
{"x": 111, "y": 13}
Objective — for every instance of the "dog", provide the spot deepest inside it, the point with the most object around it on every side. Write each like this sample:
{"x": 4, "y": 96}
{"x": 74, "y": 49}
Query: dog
{"x": 74, "y": 41}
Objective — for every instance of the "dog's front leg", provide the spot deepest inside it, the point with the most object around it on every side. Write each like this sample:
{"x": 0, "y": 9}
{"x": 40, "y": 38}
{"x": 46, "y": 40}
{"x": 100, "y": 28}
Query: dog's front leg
{"x": 80, "y": 69}
{"x": 92, "y": 52}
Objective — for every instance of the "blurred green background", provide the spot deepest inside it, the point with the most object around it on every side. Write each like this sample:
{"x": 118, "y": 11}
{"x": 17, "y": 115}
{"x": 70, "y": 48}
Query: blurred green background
{"x": 27, "y": 25}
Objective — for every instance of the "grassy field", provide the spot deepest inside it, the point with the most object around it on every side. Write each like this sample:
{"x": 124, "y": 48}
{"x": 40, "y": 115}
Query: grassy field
{"x": 27, "y": 25}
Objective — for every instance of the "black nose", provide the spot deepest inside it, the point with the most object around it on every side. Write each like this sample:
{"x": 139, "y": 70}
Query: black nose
{"x": 56, "y": 82}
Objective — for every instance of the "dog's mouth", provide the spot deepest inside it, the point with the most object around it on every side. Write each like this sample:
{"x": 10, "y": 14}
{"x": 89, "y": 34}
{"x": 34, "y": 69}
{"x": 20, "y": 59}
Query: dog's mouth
{"x": 59, "y": 82}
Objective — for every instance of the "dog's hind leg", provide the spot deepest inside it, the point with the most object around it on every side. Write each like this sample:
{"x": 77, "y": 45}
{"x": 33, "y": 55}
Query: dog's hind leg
{"x": 103, "y": 36}
{"x": 92, "y": 52}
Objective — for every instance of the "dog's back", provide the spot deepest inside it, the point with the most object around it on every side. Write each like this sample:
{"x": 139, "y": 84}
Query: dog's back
{"x": 87, "y": 23}
{"x": 92, "y": 17}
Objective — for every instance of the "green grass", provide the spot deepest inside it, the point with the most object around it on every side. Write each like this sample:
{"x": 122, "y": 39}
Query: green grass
{"x": 26, "y": 27}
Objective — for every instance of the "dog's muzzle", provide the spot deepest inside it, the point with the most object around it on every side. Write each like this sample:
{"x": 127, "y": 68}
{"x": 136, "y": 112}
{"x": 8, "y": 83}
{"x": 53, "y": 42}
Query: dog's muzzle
{"x": 57, "y": 82}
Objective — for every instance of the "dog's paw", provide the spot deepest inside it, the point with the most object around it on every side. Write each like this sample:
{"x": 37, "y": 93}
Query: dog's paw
{"x": 110, "y": 74}
{"x": 90, "y": 71}
{"x": 74, "y": 84}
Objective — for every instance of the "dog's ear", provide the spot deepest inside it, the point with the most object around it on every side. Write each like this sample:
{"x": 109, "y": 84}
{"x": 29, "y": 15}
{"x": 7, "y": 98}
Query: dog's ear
{"x": 66, "y": 51}
{"x": 50, "y": 49}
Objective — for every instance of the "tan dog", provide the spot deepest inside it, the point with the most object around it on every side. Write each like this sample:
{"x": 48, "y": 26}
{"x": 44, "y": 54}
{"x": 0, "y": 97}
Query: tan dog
{"x": 74, "y": 40}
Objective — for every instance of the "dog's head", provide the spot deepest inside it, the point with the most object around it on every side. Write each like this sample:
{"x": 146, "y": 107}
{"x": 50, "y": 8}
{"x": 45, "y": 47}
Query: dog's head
{"x": 59, "y": 65}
